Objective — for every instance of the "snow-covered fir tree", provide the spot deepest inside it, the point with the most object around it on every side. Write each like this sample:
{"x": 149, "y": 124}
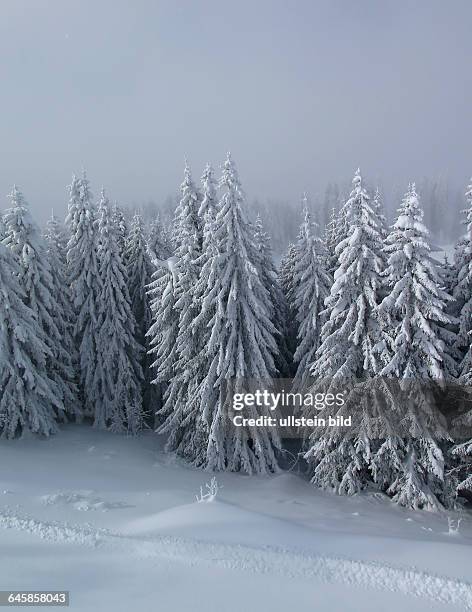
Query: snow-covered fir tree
{"x": 379, "y": 212}
{"x": 85, "y": 284}
{"x": 189, "y": 240}
{"x": 331, "y": 240}
{"x": 118, "y": 376}
{"x": 462, "y": 292}
{"x": 446, "y": 272}
{"x": 172, "y": 281}
{"x": 414, "y": 309}
{"x": 241, "y": 345}
{"x": 121, "y": 224}
{"x": 139, "y": 274}
{"x": 350, "y": 333}
{"x": 463, "y": 452}
{"x": 187, "y": 223}
{"x": 209, "y": 199}
{"x": 162, "y": 335}
{"x": 279, "y": 306}
{"x": 56, "y": 246}
{"x": 29, "y": 399}
{"x": 415, "y": 288}
{"x": 286, "y": 282}
{"x": 378, "y": 208}
{"x": 455, "y": 274}
{"x": 287, "y": 264}
{"x": 347, "y": 356}
{"x": 23, "y": 237}
{"x": 158, "y": 241}
{"x": 312, "y": 286}
{"x": 182, "y": 415}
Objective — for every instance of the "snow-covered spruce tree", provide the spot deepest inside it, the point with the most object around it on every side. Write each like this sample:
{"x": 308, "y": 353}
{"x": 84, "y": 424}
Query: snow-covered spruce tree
{"x": 336, "y": 231}
{"x": 158, "y": 242}
{"x": 85, "y": 285}
{"x": 36, "y": 278}
{"x": 189, "y": 241}
{"x": 339, "y": 460}
{"x": 116, "y": 385}
{"x": 447, "y": 274}
{"x": 164, "y": 318}
{"x": 241, "y": 345}
{"x": 457, "y": 271}
{"x": 379, "y": 212}
{"x": 56, "y": 247}
{"x": 121, "y": 226}
{"x": 139, "y": 274}
{"x": 378, "y": 208}
{"x": 414, "y": 309}
{"x": 187, "y": 222}
{"x": 171, "y": 292}
{"x": 186, "y": 434}
{"x": 312, "y": 286}
{"x": 209, "y": 199}
{"x": 463, "y": 453}
{"x": 330, "y": 238}
{"x": 285, "y": 277}
{"x": 29, "y": 399}
{"x": 287, "y": 264}
{"x": 163, "y": 332}
{"x": 462, "y": 292}
{"x": 279, "y": 306}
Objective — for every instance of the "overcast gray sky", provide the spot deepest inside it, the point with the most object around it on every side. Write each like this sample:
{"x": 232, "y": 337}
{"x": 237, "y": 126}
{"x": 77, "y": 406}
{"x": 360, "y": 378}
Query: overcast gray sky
{"x": 301, "y": 92}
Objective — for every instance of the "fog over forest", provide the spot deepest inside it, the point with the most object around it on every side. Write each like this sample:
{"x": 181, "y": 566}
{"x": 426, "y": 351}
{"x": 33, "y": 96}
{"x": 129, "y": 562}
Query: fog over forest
{"x": 301, "y": 96}
{"x": 442, "y": 203}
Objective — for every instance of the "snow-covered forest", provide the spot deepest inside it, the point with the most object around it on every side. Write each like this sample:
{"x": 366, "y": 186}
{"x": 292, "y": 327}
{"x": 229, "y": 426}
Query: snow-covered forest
{"x": 442, "y": 203}
{"x": 126, "y": 324}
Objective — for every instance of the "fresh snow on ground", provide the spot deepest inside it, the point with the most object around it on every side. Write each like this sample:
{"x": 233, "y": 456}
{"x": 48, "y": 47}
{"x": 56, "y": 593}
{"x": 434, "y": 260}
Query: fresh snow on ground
{"x": 116, "y": 522}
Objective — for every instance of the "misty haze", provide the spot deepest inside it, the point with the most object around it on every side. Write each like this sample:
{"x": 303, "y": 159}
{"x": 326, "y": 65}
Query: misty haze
{"x": 300, "y": 96}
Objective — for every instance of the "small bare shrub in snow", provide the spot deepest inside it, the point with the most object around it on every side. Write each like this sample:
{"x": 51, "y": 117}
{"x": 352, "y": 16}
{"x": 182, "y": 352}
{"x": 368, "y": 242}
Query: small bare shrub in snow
{"x": 453, "y": 526}
{"x": 212, "y": 489}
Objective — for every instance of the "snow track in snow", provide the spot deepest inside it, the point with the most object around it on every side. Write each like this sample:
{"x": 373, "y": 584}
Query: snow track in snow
{"x": 267, "y": 560}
